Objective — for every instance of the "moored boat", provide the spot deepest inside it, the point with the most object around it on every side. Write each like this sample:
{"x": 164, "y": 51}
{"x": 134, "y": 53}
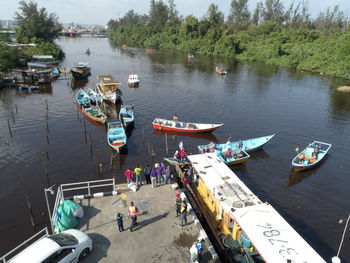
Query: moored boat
{"x": 220, "y": 71}
{"x": 94, "y": 113}
{"x": 81, "y": 71}
{"x": 126, "y": 114}
{"x": 310, "y": 156}
{"x": 133, "y": 80}
{"x": 107, "y": 88}
{"x": 248, "y": 145}
{"x": 82, "y": 98}
{"x": 95, "y": 98}
{"x": 248, "y": 229}
{"x": 180, "y": 126}
{"x": 116, "y": 137}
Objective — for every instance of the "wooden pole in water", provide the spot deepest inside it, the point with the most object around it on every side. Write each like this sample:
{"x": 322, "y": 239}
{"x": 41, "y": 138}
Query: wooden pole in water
{"x": 166, "y": 143}
{"x": 30, "y": 211}
{"x": 16, "y": 108}
{"x": 13, "y": 117}
{"x": 8, "y": 124}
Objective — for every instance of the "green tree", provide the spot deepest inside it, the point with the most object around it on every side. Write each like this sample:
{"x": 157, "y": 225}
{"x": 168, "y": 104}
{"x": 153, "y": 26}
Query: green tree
{"x": 257, "y": 16}
{"x": 36, "y": 23}
{"x": 331, "y": 21}
{"x": 158, "y": 14}
{"x": 215, "y": 16}
{"x": 239, "y": 16}
{"x": 273, "y": 11}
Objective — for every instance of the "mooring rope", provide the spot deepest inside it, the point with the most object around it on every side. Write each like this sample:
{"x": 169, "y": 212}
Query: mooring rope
{"x": 342, "y": 239}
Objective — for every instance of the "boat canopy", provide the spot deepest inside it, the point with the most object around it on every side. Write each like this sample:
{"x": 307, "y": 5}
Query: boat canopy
{"x": 271, "y": 235}
{"x": 82, "y": 64}
{"x": 36, "y": 65}
{"x": 108, "y": 80}
{"x": 42, "y": 57}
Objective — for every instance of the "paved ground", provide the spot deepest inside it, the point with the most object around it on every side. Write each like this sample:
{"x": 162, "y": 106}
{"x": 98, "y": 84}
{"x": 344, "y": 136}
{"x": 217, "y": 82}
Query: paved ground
{"x": 157, "y": 238}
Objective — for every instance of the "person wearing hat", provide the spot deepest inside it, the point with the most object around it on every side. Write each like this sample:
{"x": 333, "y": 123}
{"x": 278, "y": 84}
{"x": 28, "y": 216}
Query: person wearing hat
{"x": 178, "y": 202}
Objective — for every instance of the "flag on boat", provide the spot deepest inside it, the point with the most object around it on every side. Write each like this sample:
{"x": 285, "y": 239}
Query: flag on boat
{"x": 181, "y": 145}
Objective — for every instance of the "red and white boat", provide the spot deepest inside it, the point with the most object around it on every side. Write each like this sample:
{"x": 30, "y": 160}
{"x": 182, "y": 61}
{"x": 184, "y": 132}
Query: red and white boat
{"x": 180, "y": 126}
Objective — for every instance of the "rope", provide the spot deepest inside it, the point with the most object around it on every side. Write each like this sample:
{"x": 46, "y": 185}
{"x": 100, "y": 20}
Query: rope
{"x": 342, "y": 239}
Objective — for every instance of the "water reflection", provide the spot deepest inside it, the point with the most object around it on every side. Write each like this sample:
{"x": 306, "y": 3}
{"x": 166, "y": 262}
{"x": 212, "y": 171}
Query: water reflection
{"x": 78, "y": 83}
{"x": 340, "y": 104}
{"x": 207, "y": 136}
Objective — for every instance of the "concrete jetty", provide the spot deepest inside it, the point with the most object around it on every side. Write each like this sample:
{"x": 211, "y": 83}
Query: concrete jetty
{"x": 158, "y": 237}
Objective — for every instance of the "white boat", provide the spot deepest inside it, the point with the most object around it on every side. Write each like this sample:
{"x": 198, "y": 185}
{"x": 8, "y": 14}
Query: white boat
{"x": 133, "y": 80}
{"x": 107, "y": 88}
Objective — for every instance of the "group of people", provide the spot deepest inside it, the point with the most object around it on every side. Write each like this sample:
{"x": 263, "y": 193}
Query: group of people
{"x": 302, "y": 157}
{"x": 133, "y": 211}
{"x": 157, "y": 175}
{"x": 180, "y": 155}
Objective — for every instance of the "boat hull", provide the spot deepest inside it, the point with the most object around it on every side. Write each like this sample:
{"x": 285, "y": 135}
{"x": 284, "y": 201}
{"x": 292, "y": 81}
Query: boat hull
{"x": 174, "y": 129}
{"x": 96, "y": 119}
{"x": 81, "y": 75}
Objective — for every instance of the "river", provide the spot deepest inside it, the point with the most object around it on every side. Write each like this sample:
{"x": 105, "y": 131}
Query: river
{"x": 252, "y": 100}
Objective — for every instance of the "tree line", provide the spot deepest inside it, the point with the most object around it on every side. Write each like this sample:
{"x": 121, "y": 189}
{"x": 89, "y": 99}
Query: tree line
{"x": 273, "y": 33}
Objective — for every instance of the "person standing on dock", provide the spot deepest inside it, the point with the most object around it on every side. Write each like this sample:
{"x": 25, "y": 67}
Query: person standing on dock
{"x": 129, "y": 175}
{"x": 154, "y": 178}
{"x": 159, "y": 170}
{"x": 138, "y": 174}
{"x": 147, "y": 173}
{"x": 178, "y": 202}
{"x": 183, "y": 213}
{"x": 133, "y": 212}
{"x": 119, "y": 218}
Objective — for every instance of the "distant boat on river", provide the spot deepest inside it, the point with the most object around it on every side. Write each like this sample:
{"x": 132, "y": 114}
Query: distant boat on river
{"x": 220, "y": 71}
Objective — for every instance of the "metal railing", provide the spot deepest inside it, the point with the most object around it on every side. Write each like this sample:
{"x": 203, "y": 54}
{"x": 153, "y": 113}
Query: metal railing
{"x": 42, "y": 233}
{"x": 85, "y": 187}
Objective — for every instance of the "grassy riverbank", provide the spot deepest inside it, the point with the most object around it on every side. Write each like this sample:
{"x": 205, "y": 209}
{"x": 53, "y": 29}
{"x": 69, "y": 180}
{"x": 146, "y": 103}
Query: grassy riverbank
{"x": 286, "y": 38}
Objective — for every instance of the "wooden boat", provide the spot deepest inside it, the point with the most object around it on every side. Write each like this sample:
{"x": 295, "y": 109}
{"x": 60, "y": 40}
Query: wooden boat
{"x": 173, "y": 161}
{"x": 88, "y": 52}
{"x": 44, "y": 59}
{"x": 126, "y": 114}
{"x": 107, "y": 88}
{"x": 94, "y": 113}
{"x": 124, "y": 46}
{"x": 246, "y": 228}
{"x": 310, "y": 156}
{"x": 190, "y": 57}
{"x": 95, "y": 98}
{"x": 30, "y": 88}
{"x": 116, "y": 137}
{"x": 133, "y": 80}
{"x": 82, "y": 98}
{"x": 220, "y": 71}
{"x": 81, "y": 71}
{"x": 246, "y": 145}
{"x": 179, "y": 126}
{"x": 149, "y": 51}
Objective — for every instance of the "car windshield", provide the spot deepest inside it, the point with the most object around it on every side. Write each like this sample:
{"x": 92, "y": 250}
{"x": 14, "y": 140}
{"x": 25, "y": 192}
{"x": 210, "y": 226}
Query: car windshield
{"x": 64, "y": 239}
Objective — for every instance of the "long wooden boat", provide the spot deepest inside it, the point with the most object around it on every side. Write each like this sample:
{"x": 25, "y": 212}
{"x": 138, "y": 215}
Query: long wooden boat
{"x": 311, "y": 156}
{"x": 126, "y": 114}
{"x": 248, "y": 145}
{"x": 180, "y": 126}
{"x": 82, "y": 98}
{"x": 81, "y": 71}
{"x": 250, "y": 230}
{"x": 116, "y": 137}
{"x": 94, "y": 113}
{"x": 107, "y": 88}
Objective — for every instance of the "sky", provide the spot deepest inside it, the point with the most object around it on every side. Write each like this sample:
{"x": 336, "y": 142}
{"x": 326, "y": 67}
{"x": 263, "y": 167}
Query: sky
{"x": 101, "y": 11}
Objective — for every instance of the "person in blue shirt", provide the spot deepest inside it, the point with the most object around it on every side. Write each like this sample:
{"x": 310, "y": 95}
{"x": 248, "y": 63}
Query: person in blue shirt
{"x": 119, "y": 218}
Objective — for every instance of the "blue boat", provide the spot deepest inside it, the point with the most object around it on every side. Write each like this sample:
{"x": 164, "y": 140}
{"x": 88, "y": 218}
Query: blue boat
{"x": 83, "y": 99}
{"x": 126, "y": 114}
{"x": 310, "y": 156}
{"x": 95, "y": 98}
{"x": 116, "y": 136}
{"x": 235, "y": 152}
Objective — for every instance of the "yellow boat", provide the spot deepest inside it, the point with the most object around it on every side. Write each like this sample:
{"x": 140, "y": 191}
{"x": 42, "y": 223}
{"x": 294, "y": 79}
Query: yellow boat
{"x": 253, "y": 230}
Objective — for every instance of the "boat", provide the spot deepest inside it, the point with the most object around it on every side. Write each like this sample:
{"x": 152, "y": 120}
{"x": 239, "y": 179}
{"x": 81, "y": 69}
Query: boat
{"x": 173, "y": 161}
{"x": 81, "y": 71}
{"x": 180, "y": 126}
{"x": 107, "y": 88}
{"x": 149, "y": 51}
{"x": 95, "y": 98}
{"x": 116, "y": 136}
{"x": 82, "y": 98}
{"x": 190, "y": 57}
{"x": 124, "y": 46}
{"x": 30, "y": 88}
{"x": 44, "y": 59}
{"x": 311, "y": 156}
{"x": 245, "y": 228}
{"x": 88, "y": 52}
{"x": 126, "y": 114}
{"x": 246, "y": 145}
{"x": 220, "y": 71}
{"x": 94, "y": 113}
{"x": 133, "y": 80}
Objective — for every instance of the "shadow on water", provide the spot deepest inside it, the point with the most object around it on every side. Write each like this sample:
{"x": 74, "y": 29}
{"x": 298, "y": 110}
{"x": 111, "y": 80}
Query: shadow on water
{"x": 78, "y": 83}
{"x": 297, "y": 177}
{"x": 259, "y": 154}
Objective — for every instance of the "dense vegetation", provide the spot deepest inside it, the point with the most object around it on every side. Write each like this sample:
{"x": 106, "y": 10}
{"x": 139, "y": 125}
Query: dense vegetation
{"x": 270, "y": 33}
{"x": 35, "y": 25}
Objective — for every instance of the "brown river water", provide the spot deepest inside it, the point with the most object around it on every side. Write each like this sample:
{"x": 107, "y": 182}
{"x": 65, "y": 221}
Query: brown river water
{"x": 252, "y": 100}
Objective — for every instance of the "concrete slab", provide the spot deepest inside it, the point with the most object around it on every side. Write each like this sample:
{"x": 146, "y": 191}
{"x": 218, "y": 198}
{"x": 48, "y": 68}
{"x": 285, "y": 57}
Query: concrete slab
{"x": 158, "y": 237}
